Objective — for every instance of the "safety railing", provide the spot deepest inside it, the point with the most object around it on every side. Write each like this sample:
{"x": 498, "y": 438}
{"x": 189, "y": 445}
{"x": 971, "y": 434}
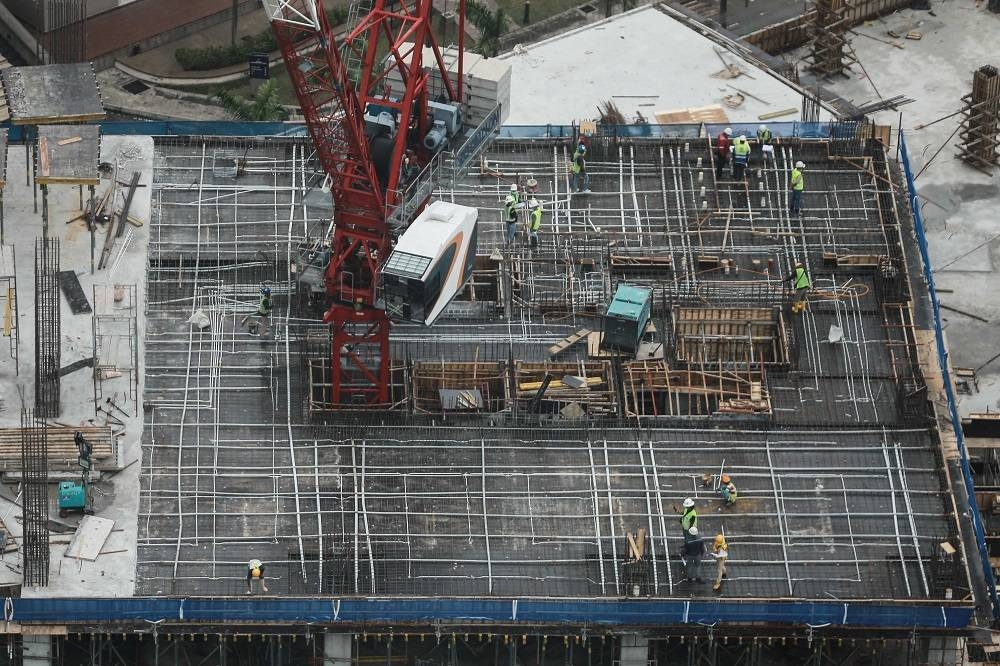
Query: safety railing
{"x": 942, "y": 351}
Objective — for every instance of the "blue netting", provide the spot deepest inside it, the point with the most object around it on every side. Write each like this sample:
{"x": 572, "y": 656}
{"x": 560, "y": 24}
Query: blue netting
{"x": 977, "y": 521}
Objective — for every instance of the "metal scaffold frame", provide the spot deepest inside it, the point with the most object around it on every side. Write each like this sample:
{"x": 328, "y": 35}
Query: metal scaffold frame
{"x": 8, "y": 302}
{"x": 116, "y": 344}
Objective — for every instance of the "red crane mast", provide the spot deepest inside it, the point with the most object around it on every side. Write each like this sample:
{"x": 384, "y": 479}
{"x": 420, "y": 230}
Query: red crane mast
{"x": 365, "y": 187}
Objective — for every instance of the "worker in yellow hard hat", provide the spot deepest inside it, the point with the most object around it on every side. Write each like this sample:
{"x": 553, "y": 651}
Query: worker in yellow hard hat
{"x": 255, "y": 572}
{"x": 720, "y": 551}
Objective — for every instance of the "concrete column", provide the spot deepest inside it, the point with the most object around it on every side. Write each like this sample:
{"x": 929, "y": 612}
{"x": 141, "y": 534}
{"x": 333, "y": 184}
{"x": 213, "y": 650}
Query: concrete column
{"x": 634, "y": 650}
{"x": 337, "y": 649}
{"x": 37, "y": 650}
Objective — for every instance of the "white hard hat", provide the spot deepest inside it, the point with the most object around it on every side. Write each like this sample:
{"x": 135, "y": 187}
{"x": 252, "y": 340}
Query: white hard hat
{"x": 534, "y": 203}
{"x": 743, "y": 137}
{"x": 800, "y": 165}
{"x": 762, "y": 128}
{"x": 513, "y": 187}
{"x": 693, "y": 531}
{"x": 728, "y": 131}
{"x": 510, "y": 198}
{"x": 688, "y": 503}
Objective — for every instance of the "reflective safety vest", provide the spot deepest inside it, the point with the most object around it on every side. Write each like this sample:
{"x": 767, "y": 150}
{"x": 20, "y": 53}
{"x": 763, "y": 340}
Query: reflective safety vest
{"x": 801, "y": 279}
{"x": 578, "y": 163}
{"x": 741, "y": 151}
{"x": 798, "y": 183}
{"x": 764, "y": 136}
{"x": 510, "y": 209}
{"x": 536, "y": 219}
{"x": 265, "y": 306}
{"x": 689, "y": 519}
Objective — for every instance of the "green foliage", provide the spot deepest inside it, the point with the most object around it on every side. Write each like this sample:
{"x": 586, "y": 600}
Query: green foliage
{"x": 491, "y": 25}
{"x": 214, "y": 57}
{"x": 264, "y": 106}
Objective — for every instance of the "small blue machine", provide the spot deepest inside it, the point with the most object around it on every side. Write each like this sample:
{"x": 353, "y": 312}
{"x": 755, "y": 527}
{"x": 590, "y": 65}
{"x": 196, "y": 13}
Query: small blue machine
{"x": 626, "y": 318}
{"x": 73, "y": 494}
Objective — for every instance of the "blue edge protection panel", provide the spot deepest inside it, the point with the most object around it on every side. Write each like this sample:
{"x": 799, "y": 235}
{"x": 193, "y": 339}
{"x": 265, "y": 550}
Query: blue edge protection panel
{"x": 563, "y": 611}
{"x": 577, "y": 611}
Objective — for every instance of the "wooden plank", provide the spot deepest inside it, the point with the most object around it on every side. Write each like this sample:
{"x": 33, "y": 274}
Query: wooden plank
{"x": 43, "y": 157}
{"x": 632, "y": 548}
{"x": 72, "y": 139}
{"x": 89, "y": 539}
{"x": 640, "y": 542}
{"x": 568, "y": 341}
{"x": 778, "y": 114}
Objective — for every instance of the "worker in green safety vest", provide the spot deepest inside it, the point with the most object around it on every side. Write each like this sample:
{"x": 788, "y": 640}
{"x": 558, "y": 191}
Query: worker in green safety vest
{"x": 798, "y": 184}
{"x": 579, "y": 179}
{"x": 741, "y": 157}
{"x": 534, "y": 222}
{"x": 689, "y": 518}
{"x": 800, "y": 282}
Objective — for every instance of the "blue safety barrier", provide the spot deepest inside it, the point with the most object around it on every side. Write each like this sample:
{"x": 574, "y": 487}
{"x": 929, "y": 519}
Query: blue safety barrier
{"x": 956, "y": 423}
{"x": 625, "y": 612}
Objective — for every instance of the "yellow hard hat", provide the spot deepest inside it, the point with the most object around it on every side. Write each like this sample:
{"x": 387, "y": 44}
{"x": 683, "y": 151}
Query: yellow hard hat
{"x": 720, "y": 540}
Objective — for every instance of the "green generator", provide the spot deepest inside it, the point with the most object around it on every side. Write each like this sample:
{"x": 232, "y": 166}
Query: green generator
{"x": 72, "y": 497}
{"x": 626, "y": 318}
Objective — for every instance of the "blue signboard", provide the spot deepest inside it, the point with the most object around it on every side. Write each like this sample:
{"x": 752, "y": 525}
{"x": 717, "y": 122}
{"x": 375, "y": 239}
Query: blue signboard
{"x": 259, "y": 66}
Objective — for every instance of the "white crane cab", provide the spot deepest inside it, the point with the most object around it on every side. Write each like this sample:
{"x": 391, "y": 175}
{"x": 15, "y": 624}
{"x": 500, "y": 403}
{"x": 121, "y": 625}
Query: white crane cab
{"x": 431, "y": 263}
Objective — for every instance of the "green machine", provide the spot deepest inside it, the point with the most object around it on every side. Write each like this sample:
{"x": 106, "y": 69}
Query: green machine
{"x": 626, "y": 318}
{"x": 73, "y": 496}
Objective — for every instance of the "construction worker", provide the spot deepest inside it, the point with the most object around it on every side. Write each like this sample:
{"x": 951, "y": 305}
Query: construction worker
{"x": 692, "y": 551}
{"x": 515, "y": 192}
{"x": 722, "y": 151}
{"x": 689, "y": 518}
{"x": 798, "y": 184}
{"x": 800, "y": 282}
{"x": 255, "y": 572}
{"x": 727, "y": 489}
{"x": 408, "y": 169}
{"x": 534, "y": 222}
{"x": 259, "y": 320}
{"x": 510, "y": 217}
{"x": 578, "y": 175}
{"x": 720, "y": 551}
{"x": 741, "y": 156}
{"x": 764, "y": 138}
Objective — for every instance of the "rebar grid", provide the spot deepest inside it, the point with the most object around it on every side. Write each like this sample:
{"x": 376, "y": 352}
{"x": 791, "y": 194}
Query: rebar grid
{"x": 376, "y": 503}
{"x": 116, "y": 343}
{"x": 35, "y": 494}
{"x": 48, "y": 341}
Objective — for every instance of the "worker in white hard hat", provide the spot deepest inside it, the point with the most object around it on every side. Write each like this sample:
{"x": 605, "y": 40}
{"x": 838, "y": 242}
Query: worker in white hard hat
{"x": 764, "y": 138}
{"x": 692, "y": 551}
{"x": 689, "y": 517}
{"x": 741, "y": 156}
{"x": 515, "y": 192}
{"x": 510, "y": 218}
{"x": 798, "y": 184}
{"x": 722, "y": 151}
{"x": 534, "y": 222}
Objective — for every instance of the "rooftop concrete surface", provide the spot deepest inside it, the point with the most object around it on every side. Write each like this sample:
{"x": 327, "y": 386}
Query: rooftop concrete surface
{"x": 646, "y": 62}
{"x": 959, "y": 203}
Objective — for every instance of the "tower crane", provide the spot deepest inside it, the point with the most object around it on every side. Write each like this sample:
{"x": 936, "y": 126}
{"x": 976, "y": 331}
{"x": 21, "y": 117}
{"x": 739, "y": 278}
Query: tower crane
{"x": 369, "y": 141}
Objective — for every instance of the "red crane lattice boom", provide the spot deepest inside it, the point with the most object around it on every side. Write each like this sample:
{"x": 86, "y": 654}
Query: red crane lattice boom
{"x": 364, "y": 195}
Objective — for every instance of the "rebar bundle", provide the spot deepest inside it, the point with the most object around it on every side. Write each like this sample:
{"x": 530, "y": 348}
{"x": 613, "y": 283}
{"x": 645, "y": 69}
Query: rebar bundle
{"x": 978, "y": 137}
{"x": 34, "y": 466}
{"x": 830, "y": 53}
{"x": 65, "y": 37}
{"x": 47, "y": 327}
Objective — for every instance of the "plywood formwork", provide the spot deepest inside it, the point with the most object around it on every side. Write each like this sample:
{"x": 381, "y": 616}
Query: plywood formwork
{"x": 50, "y": 94}
{"x": 490, "y": 380}
{"x": 68, "y": 155}
{"x": 652, "y": 388}
{"x": 724, "y": 337}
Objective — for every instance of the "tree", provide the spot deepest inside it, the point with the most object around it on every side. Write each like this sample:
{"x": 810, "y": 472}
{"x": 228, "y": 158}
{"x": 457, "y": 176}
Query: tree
{"x": 492, "y": 25}
{"x": 263, "y": 106}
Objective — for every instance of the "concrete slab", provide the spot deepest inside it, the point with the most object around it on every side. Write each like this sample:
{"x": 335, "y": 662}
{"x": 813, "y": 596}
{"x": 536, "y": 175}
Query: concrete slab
{"x": 115, "y": 496}
{"x": 68, "y": 155}
{"x": 3, "y": 158}
{"x": 959, "y": 202}
{"x": 46, "y": 94}
{"x": 645, "y": 61}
